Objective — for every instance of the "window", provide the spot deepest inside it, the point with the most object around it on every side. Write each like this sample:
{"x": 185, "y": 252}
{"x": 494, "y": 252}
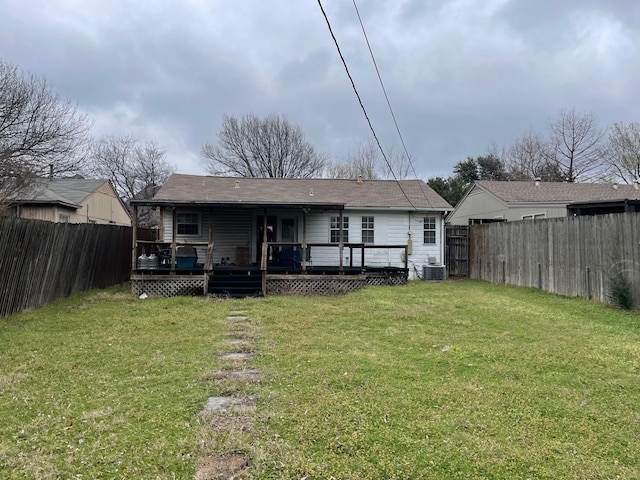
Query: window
{"x": 64, "y": 218}
{"x": 430, "y": 230}
{"x": 335, "y": 229}
{"x": 535, "y": 216}
{"x": 367, "y": 230}
{"x": 188, "y": 224}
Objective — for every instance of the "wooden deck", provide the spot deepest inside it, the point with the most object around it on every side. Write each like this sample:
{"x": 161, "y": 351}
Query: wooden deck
{"x": 237, "y": 281}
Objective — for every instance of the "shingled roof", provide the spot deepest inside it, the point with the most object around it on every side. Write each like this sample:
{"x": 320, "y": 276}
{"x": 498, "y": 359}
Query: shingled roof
{"x": 63, "y": 191}
{"x": 205, "y": 190}
{"x": 528, "y": 192}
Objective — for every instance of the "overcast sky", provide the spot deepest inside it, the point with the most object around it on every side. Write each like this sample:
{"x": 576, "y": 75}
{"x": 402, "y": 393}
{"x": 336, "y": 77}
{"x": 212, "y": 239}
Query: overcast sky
{"x": 460, "y": 74}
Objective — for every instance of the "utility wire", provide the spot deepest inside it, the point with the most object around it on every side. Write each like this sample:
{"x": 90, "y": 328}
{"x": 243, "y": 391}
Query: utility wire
{"x": 384, "y": 90}
{"x": 355, "y": 90}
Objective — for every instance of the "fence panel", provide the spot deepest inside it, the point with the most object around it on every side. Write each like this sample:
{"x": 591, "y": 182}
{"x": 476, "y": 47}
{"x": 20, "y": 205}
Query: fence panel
{"x": 42, "y": 261}
{"x": 457, "y": 250}
{"x": 572, "y": 256}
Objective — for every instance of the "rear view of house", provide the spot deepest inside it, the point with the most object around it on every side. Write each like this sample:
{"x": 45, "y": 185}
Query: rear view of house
{"x": 288, "y": 231}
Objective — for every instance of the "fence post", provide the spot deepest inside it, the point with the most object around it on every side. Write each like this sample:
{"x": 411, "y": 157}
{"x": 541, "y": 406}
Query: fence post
{"x": 588, "y": 275}
{"x": 540, "y": 276}
{"x": 504, "y": 271}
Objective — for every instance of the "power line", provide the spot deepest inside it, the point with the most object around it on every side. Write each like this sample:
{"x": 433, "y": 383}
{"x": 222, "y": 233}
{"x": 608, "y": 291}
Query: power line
{"x": 355, "y": 90}
{"x": 384, "y": 90}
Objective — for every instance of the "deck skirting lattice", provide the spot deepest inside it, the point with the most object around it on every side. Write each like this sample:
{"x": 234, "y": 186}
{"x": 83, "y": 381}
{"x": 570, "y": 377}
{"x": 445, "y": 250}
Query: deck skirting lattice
{"x": 314, "y": 285}
{"x": 168, "y": 286}
{"x": 387, "y": 280}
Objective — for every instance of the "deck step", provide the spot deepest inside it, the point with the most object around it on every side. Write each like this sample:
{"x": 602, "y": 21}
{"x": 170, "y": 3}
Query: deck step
{"x": 235, "y": 285}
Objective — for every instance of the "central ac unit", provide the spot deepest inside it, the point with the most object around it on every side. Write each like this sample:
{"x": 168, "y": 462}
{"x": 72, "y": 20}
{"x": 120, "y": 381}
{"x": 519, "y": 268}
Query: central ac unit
{"x": 434, "y": 272}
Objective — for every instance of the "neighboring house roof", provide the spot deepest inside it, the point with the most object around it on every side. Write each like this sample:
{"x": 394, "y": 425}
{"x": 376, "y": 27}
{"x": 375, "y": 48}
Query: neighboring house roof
{"x": 523, "y": 195}
{"x": 545, "y": 192}
{"x": 69, "y": 192}
{"x": 205, "y": 190}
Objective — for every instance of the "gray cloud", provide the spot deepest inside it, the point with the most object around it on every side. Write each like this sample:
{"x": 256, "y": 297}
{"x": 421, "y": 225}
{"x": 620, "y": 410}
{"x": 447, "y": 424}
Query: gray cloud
{"x": 460, "y": 74}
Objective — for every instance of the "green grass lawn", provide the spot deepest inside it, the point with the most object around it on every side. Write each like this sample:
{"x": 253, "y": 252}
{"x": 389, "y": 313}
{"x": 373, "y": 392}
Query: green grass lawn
{"x": 431, "y": 380}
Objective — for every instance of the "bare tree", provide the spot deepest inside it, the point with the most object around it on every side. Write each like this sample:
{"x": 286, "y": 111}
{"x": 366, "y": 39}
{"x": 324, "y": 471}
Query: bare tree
{"x": 577, "y": 147}
{"x": 363, "y": 162}
{"x": 135, "y": 169}
{"x": 269, "y": 147}
{"x": 367, "y": 161}
{"x": 624, "y": 151}
{"x": 527, "y": 159}
{"x": 40, "y": 133}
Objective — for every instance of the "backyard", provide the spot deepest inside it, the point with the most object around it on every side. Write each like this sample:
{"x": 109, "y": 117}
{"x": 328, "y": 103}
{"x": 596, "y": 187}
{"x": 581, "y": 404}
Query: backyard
{"x": 430, "y": 380}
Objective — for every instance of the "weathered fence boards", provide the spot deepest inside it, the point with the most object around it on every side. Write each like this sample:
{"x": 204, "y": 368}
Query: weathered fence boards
{"x": 571, "y": 256}
{"x": 42, "y": 261}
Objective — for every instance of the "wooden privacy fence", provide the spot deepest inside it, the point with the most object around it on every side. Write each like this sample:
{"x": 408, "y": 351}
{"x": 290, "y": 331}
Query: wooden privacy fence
{"x": 42, "y": 261}
{"x": 572, "y": 256}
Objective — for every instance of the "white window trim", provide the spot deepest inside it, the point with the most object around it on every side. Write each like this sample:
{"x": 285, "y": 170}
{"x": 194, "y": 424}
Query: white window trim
{"x": 345, "y": 230}
{"x": 534, "y": 216}
{"x": 363, "y": 229}
{"x": 434, "y": 230}
{"x": 189, "y": 235}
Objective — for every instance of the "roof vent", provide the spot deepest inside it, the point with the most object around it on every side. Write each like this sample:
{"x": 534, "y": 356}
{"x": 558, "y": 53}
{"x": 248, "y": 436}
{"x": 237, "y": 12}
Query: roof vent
{"x": 538, "y": 180}
{"x": 615, "y": 186}
{"x": 237, "y": 184}
{"x": 359, "y": 179}
{"x": 636, "y": 184}
{"x": 311, "y": 192}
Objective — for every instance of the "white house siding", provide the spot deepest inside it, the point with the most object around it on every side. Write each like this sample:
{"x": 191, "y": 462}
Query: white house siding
{"x": 390, "y": 228}
{"x": 231, "y": 229}
{"x": 237, "y": 228}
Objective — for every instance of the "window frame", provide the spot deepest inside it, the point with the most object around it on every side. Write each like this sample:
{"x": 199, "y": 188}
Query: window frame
{"x": 368, "y": 228}
{"x": 197, "y": 223}
{"x": 429, "y": 221}
{"x": 334, "y": 230}
{"x": 534, "y": 216}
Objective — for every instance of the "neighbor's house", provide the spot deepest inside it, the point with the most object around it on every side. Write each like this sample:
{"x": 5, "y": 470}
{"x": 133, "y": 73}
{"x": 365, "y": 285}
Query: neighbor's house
{"x": 488, "y": 201}
{"x": 287, "y": 235}
{"x": 71, "y": 200}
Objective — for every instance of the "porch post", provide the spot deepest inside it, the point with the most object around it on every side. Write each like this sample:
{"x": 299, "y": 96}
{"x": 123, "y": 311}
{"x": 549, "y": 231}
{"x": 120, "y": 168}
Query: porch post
{"x": 304, "y": 241}
{"x": 265, "y": 250}
{"x": 341, "y": 240}
{"x": 174, "y": 214}
{"x": 134, "y": 251}
{"x": 209, "y": 261}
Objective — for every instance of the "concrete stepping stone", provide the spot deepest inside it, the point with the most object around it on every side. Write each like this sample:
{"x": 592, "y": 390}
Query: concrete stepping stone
{"x": 223, "y": 404}
{"x": 236, "y": 356}
{"x": 237, "y": 318}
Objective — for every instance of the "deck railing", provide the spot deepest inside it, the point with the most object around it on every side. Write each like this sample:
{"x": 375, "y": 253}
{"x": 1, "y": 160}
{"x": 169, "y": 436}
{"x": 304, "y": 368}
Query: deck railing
{"x": 154, "y": 255}
{"x": 305, "y": 249}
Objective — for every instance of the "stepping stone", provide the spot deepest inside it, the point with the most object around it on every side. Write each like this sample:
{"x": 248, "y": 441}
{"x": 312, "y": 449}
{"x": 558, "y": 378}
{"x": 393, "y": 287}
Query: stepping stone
{"x": 238, "y": 312}
{"x": 222, "y": 404}
{"x": 237, "y": 356}
{"x": 237, "y": 318}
